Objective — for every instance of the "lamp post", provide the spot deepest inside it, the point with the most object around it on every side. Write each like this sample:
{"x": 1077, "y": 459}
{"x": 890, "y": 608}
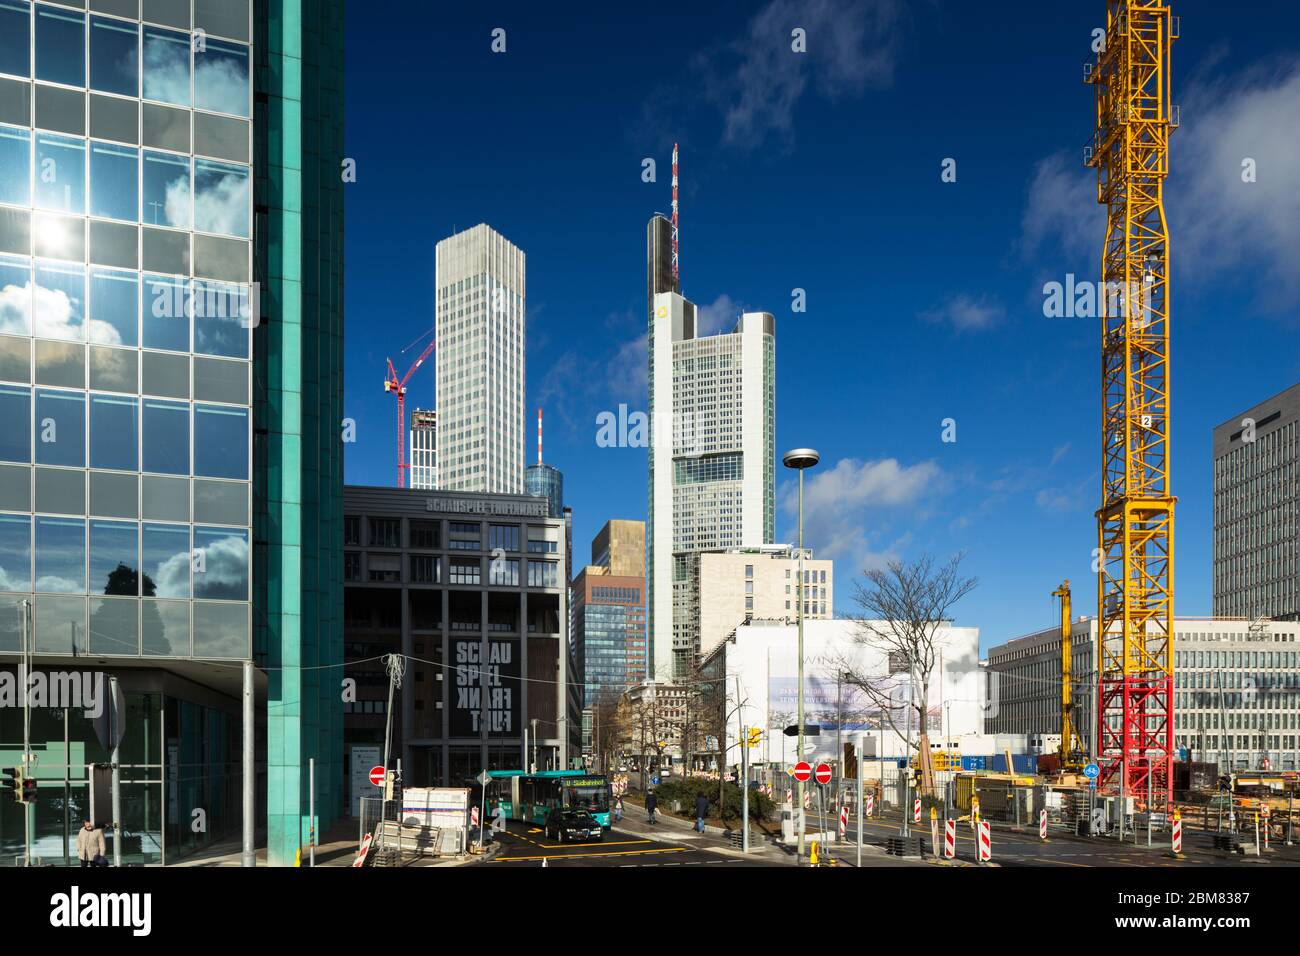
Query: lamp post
{"x": 800, "y": 459}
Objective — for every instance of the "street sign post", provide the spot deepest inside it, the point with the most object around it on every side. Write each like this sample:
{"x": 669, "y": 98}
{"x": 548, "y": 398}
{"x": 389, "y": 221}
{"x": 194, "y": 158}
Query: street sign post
{"x": 1092, "y": 771}
{"x": 823, "y": 773}
{"x": 802, "y": 771}
{"x": 484, "y": 779}
{"x": 377, "y": 776}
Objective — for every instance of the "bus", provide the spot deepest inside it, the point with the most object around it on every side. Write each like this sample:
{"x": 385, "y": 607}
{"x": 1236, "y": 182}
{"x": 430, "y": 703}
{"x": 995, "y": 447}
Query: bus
{"x": 529, "y": 797}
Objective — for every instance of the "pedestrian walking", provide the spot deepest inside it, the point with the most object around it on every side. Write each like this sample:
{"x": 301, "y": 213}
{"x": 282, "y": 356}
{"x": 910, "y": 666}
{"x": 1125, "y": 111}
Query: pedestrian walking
{"x": 651, "y": 801}
{"x": 618, "y": 810}
{"x": 701, "y": 811}
{"x": 90, "y": 845}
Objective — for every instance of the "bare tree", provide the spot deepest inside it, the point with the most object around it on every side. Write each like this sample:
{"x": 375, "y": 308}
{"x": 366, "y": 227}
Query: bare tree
{"x": 903, "y": 606}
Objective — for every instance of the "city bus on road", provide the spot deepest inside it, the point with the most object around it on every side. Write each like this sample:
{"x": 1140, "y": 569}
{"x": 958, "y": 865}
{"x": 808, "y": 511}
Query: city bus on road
{"x": 529, "y": 797}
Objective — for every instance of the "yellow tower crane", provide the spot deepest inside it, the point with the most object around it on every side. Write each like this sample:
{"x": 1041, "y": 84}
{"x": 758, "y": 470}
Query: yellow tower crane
{"x": 1135, "y": 524}
{"x": 1073, "y": 757}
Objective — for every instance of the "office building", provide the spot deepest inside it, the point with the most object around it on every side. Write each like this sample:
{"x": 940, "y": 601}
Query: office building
{"x": 472, "y": 589}
{"x": 546, "y": 481}
{"x": 480, "y": 362}
{"x": 712, "y": 456}
{"x": 1236, "y": 688}
{"x": 171, "y": 247}
{"x": 1257, "y": 511}
{"x": 424, "y": 449}
{"x": 619, "y": 546}
{"x": 744, "y": 584}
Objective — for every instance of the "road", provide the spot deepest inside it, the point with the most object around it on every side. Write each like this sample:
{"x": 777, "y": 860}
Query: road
{"x": 524, "y": 845}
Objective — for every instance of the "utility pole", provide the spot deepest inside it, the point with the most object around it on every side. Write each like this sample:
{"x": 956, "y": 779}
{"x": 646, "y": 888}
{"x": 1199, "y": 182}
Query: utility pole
{"x": 249, "y": 783}
{"x": 114, "y": 734}
{"x": 860, "y": 775}
{"x": 396, "y": 666}
{"x": 744, "y": 788}
{"x": 25, "y": 606}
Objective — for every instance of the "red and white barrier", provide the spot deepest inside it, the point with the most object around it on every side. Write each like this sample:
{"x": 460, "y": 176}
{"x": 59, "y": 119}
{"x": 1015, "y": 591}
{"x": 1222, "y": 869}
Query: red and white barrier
{"x": 789, "y": 795}
{"x": 916, "y": 810}
{"x": 807, "y": 799}
{"x": 1042, "y": 824}
{"x": 949, "y": 838}
{"x": 844, "y": 820}
{"x": 985, "y": 843}
{"x": 1178, "y": 833}
{"x": 473, "y": 816}
{"x": 869, "y": 806}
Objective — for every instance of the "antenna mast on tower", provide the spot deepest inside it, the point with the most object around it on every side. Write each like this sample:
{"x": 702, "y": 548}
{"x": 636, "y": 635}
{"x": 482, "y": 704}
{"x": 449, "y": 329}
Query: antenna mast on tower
{"x": 676, "y": 278}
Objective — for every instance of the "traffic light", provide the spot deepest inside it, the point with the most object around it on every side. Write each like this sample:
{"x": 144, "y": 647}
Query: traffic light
{"x": 13, "y": 782}
{"x": 755, "y": 736}
{"x": 29, "y": 790}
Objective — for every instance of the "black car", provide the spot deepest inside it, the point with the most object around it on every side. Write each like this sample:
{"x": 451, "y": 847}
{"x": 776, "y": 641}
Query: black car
{"x": 566, "y": 824}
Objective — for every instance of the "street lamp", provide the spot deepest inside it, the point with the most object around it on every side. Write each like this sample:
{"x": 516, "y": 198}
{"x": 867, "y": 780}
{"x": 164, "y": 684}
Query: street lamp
{"x": 800, "y": 459}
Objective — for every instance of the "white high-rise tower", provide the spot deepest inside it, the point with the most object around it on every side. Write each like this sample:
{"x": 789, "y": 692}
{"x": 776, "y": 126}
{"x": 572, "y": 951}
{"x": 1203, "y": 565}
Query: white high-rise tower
{"x": 480, "y": 362}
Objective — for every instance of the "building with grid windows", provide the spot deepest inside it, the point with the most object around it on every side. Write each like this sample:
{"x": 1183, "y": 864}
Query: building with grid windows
{"x": 424, "y": 449}
{"x": 712, "y": 454}
{"x": 745, "y": 584}
{"x": 480, "y": 362}
{"x": 171, "y": 245}
{"x": 1257, "y": 510}
{"x": 609, "y": 627}
{"x": 472, "y": 588}
{"x": 1236, "y": 688}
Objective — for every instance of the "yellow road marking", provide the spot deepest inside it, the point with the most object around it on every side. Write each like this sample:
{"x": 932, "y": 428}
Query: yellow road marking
{"x": 579, "y": 856}
{"x": 561, "y": 846}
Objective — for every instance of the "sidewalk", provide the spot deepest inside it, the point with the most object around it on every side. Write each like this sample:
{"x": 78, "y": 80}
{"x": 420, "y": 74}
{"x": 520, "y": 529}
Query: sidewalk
{"x": 714, "y": 839}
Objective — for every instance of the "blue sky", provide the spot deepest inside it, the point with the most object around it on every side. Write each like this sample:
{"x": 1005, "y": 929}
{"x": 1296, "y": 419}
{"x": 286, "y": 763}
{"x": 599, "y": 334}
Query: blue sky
{"x": 821, "y": 171}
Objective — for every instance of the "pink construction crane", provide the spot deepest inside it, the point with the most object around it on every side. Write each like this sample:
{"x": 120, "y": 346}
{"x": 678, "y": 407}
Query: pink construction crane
{"x": 393, "y": 385}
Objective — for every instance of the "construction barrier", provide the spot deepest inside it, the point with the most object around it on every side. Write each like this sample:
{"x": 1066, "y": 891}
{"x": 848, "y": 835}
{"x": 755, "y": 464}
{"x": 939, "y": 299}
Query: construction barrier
{"x": 869, "y": 805}
{"x": 916, "y": 810}
{"x": 949, "y": 838}
{"x": 844, "y": 820}
{"x": 473, "y": 816}
{"x": 1042, "y": 824}
{"x": 807, "y": 799}
{"x": 985, "y": 843}
{"x": 789, "y": 795}
{"x": 1178, "y": 832}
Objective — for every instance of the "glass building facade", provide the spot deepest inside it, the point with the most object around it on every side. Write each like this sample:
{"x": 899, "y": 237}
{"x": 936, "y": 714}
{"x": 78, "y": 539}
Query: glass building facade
{"x": 170, "y": 286}
{"x": 546, "y": 481}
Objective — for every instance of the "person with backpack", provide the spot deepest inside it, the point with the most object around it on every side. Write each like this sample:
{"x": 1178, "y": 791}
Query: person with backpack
{"x": 651, "y": 801}
{"x": 701, "y": 811}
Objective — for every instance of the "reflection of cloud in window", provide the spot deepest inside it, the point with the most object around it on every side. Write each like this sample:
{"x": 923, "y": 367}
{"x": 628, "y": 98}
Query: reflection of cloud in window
{"x": 221, "y": 205}
{"x": 177, "y": 208}
{"x": 58, "y": 584}
{"x": 15, "y": 309}
{"x": 11, "y": 584}
{"x": 166, "y": 71}
{"x": 173, "y": 576}
{"x": 57, "y": 315}
{"x": 221, "y": 84}
{"x": 225, "y": 569}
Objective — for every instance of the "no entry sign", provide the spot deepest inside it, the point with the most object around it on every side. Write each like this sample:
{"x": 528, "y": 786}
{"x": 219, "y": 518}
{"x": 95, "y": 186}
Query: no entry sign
{"x": 823, "y": 773}
{"x": 802, "y": 770}
{"x": 377, "y": 776}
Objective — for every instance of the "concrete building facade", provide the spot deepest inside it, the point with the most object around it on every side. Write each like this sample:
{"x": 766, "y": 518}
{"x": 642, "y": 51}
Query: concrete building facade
{"x": 1236, "y": 688}
{"x": 1257, "y": 511}
{"x": 485, "y": 638}
{"x": 424, "y": 449}
{"x": 480, "y": 289}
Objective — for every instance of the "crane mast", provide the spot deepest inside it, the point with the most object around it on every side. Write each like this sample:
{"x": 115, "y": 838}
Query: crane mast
{"x": 1073, "y": 756}
{"x": 1135, "y": 524}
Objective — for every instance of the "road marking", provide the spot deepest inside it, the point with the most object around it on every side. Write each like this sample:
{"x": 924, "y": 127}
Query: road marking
{"x": 579, "y": 856}
{"x": 561, "y": 846}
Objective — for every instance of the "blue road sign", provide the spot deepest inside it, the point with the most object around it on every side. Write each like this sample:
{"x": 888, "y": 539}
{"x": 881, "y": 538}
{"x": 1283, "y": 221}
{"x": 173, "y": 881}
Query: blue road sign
{"x": 1092, "y": 781}
{"x": 1091, "y": 771}
{"x": 654, "y": 781}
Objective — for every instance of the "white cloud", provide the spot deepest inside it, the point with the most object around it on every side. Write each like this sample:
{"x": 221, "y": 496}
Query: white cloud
{"x": 1062, "y": 211}
{"x": 225, "y": 569}
{"x": 177, "y": 208}
{"x": 757, "y": 80}
{"x": 16, "y": 309}
{"x": 720, "y": 315}
{"x": 221, "y": 85}
{"x": 966, "y": 314}
{"x": 222, "y": 206}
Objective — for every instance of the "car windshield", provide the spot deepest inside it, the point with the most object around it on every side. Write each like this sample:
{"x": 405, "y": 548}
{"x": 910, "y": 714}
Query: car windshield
{"x": 577, "y": 816}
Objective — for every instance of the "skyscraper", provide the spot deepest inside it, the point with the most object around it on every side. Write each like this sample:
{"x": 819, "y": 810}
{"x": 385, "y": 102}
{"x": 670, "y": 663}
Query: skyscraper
{"x": 712, "y": 455}
{"x": 480, "y": 362}
{"x": 171, "y": 383}
{"x": 424, "y": 449}
{"x": 1257, "y": 511}
{"x": 609, "y": 633}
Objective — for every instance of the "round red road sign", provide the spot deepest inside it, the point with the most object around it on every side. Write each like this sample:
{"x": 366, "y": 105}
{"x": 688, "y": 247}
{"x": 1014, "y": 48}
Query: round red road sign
{"x": 802, "y": 770}
{"x": 377, "y": 776}
{"x": 823, "y": 773}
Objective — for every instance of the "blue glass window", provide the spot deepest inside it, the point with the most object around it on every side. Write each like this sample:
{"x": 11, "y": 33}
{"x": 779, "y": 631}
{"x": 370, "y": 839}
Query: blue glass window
{"x": 15, "y": 37}
{"x": 16, "y": 413}
{"x": 166, "y": 444}
{"x": 221, "y": 564}
{"x": 59, "y": 301}
{"x": 114, "y": 306}
{"x": 15, "y": 164}
{"x": 221, "y": 77}
{"x": 221, "y": 198}
{"x": 114, "y": 558}
{"x": 167, "y": 66}
{"x": 60, "y": 428}
{"x": 221, "y": 442}
{"x": 222, "y": 318}
{"x": 60, "y": 173}
{"x": 167, "y": 560}
{"x": 114, "y": 56}
{"x": 113, "y": 432}
{"x": 165, "y": 313}
{"x": 114, "y": 181}
{"x": 15, "y": 553}
{"x": 61, "y": 555}
{"x": 166, "y": 199}
{"x": 60, "y": 46}
{"x": 15, "y": 296}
